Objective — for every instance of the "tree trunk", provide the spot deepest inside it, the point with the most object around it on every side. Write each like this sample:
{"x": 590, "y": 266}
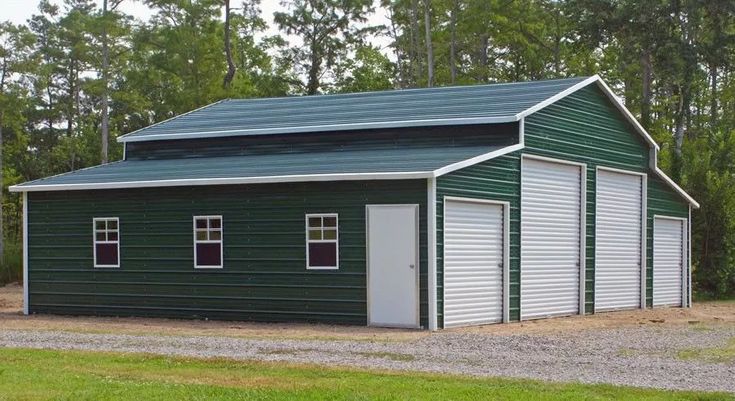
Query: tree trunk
{"x": 228, "y": 51}
{"x": 453, "y": 42}
{"x": 105, "y": 88}
{"x": 429, "y": 47}
{"x": 713, "y": 96}
{"x": 646, "y": 79}
{"x": 483, "y": 58}
{"x": 415, "y": 52}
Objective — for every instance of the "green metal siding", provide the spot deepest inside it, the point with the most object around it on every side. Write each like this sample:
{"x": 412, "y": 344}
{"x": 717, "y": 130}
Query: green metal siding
{"x": 496, "y": 179}
{"x": 587, "y": 128}
{"x": 584, "y": 127}
{"x": 264, "y": 276}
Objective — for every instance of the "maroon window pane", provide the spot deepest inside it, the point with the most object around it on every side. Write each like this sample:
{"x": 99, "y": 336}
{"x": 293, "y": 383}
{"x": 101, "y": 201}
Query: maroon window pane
{"x": 106, "y": 254}
{"x": 201, "y": 223}
{"x": 215, "y": 223}
{"x": 112, "y": 236}
{"x": 208, "y": 255}
{"x": 322, "y": 254}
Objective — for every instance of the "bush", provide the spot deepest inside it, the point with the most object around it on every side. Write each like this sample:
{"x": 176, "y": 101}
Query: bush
{"x": 11, "y": 263}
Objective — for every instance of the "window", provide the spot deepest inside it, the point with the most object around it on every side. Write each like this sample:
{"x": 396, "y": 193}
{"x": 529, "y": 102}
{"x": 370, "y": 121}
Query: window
{"x": 207, "y": 242}
{"x": 322, "y": 241}
{"x": 106, "y": 241}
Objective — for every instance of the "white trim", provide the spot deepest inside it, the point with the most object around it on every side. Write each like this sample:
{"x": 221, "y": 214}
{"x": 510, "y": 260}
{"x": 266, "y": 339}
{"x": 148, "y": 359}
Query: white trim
{"x": 553, "y": 160}
{"x": 329, "y": 241}
{"x": 621, "y": 171}
{"x": 644, "y": 242}
{"x": 477, "y": 159}
{"x": 106, "y": 241}
{"x": 226, "y": 181}
{"x": 431, "y": 244}
{"x": 319, "y": 128}
{"x": 506, "y": 248}
{"x": 583, "y": 239}
{"x": 26, "y": 304}
{"x": 557, "y": 97}
{"x": 522, "y": 131}
{"x": 644, "y": 227}
{"x": 208, "y": 241}
{"x": 689, "y": 258}
{"x": 685, "y": 264}
{"x": 582, "y": 226}
{"x": 417, "y": 256}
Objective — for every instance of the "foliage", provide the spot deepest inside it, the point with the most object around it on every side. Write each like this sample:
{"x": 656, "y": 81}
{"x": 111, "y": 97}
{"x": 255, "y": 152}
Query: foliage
{"x": 29, "y": 374}
{"x": 671, "y": 61}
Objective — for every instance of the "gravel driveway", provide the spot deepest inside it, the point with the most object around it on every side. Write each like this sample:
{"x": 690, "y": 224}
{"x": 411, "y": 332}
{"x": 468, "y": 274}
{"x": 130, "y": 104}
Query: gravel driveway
{"x": 637, "y": 356}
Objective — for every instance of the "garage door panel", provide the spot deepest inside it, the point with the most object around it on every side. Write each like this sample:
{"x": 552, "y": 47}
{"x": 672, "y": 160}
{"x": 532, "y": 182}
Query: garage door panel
{"x": 668, "y": 261}
{"x": 551, "y": 196}
{"x": 618, "y": 240}
{"x": 473, "y": 263}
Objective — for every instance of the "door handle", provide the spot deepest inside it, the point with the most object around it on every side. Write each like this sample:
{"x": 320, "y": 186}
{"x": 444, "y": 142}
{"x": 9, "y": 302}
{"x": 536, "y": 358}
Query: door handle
{"x": 412, "y": 265}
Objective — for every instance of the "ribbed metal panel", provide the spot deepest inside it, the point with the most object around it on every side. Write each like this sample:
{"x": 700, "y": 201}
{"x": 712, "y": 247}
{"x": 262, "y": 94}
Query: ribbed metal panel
{"x": 550, "y": 238}
{"x": 423, "y": 107}
{"x": 497, "y": 180}
{"x": 264, "y": 276}
{"x": 336, "y": 161}
{"x": 619, "y": 242}
{"x": 473, "y": 263}
{"x": 668, "y": 261}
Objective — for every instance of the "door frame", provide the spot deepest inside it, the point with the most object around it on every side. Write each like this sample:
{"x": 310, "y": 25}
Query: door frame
{"x": 644, "y": 229}
{"x": 685, "y": 266}
{"x": 582, "y": 228}
{"x": 506, "y": 249}
{"x": 417, "y": 269}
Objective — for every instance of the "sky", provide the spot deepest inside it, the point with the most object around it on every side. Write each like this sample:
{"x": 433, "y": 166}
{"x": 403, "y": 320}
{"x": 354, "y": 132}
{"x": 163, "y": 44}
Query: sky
{"x": 18, "y": 11}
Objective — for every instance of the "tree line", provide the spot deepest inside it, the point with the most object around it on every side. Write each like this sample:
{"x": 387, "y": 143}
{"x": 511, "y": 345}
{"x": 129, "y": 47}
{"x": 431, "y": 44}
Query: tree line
{"x": 76, "y": 76}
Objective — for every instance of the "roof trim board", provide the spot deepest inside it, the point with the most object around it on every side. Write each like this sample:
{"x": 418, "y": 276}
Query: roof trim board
{"x": 225, "y": 181}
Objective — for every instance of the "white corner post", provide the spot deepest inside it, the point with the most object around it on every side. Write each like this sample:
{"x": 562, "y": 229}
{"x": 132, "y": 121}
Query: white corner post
{"x": 431, "y": 231}
{"x": 25, "y": 253}
{"x": 689, "y": 257}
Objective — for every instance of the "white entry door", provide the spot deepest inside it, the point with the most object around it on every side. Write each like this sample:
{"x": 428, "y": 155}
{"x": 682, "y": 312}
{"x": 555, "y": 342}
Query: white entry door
{"x": 668, "y": 261}
{"x": 619, "y": 238}
{"x": 474, "y": 257}
{"x": 551, "y": 224}
{"x": 392, "y": 240}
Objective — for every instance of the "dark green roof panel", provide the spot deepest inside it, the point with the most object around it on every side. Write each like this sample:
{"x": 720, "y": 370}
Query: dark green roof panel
{"x": 396, "y": 108}
{"x": 395, "y": 160}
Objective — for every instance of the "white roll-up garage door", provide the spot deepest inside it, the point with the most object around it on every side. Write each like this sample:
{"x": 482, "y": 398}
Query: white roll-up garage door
{"x": 473, "y": 263}
{"x": 668, "y": 261}
{"x": 551, "y": 199}
{"x": 618, "y": 240}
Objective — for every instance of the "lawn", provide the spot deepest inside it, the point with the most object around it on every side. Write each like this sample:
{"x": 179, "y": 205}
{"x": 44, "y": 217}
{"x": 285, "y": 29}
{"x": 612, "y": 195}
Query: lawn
{"x": 71, "y": 375}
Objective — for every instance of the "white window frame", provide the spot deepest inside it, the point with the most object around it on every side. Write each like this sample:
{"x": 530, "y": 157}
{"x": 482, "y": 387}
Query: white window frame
{"x": 330, "y": 241}
{"x": 95, "y": 241}
{"x": 208, "y": 241}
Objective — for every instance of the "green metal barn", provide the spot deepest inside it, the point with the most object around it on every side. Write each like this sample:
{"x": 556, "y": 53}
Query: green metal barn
{"x": 424, "y": 208}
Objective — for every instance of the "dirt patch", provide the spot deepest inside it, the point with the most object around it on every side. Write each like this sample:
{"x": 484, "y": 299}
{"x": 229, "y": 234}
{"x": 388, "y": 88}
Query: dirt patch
{"x": 700, "y": 317}
{"x": 11, "y": 298}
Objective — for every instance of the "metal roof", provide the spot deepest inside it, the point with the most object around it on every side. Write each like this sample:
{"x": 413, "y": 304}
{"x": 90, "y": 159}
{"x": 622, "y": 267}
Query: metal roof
{"x": 477, "y": 104}
{"x": 395, "y": 163}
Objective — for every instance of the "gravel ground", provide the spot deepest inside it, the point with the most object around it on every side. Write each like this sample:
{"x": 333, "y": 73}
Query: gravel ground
{"x": 637, "y": 356}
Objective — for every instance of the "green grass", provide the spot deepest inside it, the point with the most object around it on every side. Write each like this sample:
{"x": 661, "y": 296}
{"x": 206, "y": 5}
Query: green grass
{"x": 79, "y": 376}
{"x": 723, "y": 354}
{"x": 11, "y": 263}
